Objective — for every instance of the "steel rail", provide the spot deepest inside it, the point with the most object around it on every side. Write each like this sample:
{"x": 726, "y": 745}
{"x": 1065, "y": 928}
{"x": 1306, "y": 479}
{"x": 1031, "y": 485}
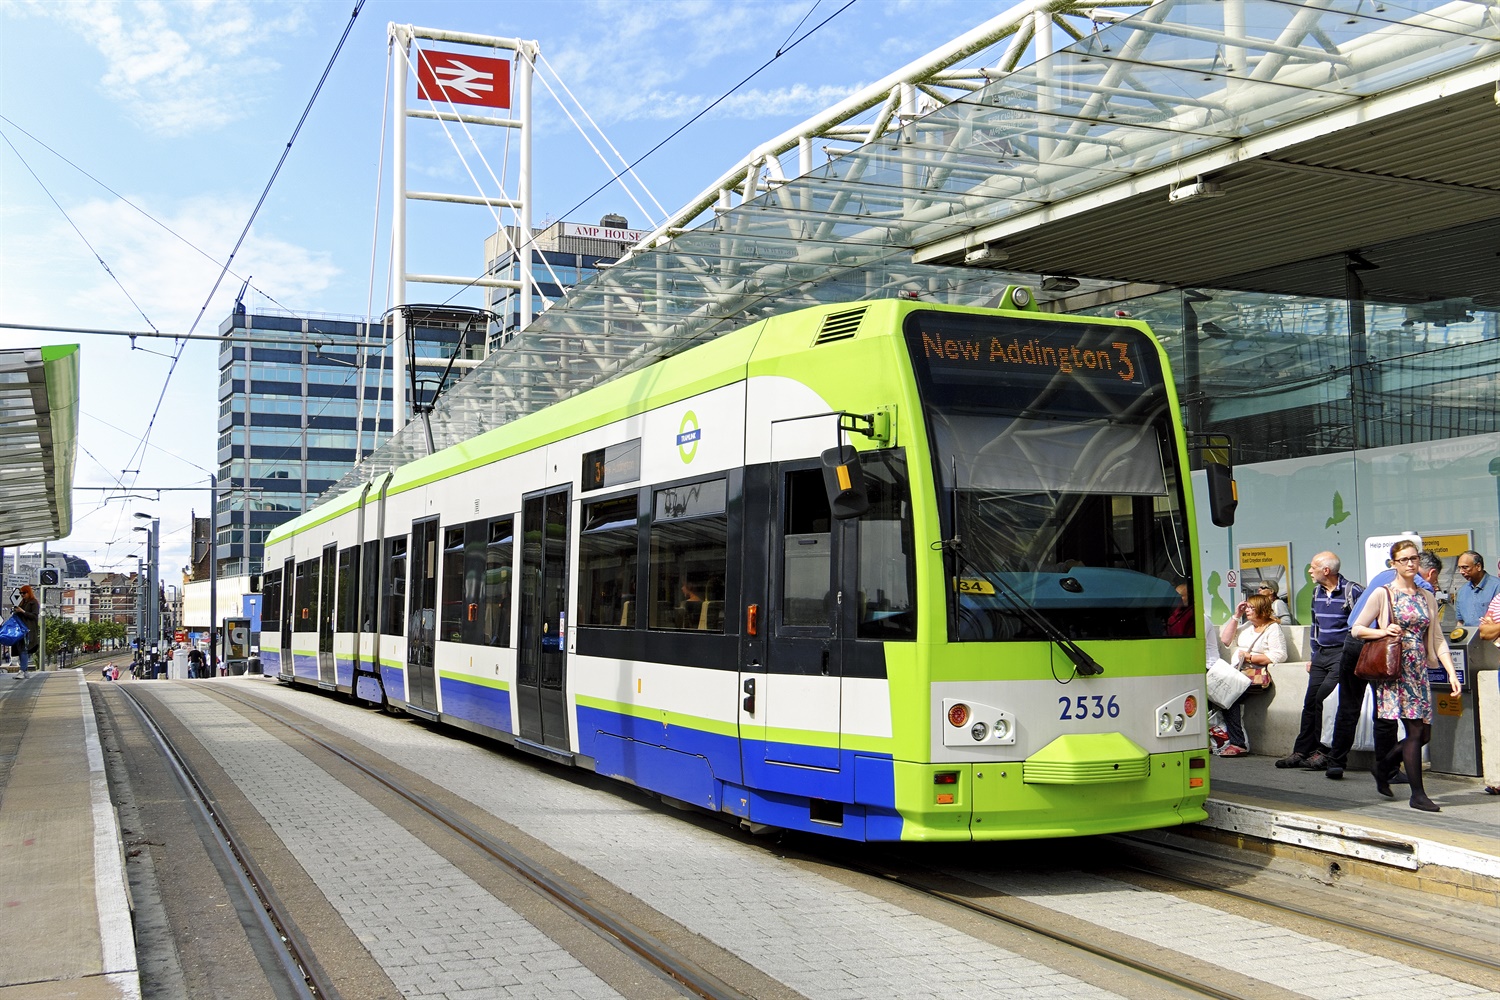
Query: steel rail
{"x": 611, "y": 926}
{"x": 293, "y": 953}
{"x": 1183, "y": 980}
{"x": 1486, "y": 963}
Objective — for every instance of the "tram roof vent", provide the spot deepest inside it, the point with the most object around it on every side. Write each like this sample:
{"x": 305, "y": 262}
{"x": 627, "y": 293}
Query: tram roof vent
{"x": 840, "y": 325}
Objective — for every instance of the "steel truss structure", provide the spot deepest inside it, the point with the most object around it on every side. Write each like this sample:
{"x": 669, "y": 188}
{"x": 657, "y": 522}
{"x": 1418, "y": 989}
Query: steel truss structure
{"x": 921, "y": 197}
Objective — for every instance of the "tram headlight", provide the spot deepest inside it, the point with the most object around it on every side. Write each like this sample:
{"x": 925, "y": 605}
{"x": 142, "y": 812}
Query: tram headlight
{"x": 1002, "y": 728}
{"x": 979, "y": 731}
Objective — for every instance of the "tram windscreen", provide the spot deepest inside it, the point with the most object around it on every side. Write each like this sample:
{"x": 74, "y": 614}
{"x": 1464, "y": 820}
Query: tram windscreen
{"x": 1055, "y": 456}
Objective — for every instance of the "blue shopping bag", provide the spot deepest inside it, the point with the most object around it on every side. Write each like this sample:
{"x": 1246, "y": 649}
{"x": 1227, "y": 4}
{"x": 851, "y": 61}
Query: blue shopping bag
{"x": 13, "y": 631}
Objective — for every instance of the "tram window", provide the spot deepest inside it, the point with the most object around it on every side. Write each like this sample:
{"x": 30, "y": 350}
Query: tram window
{"x": 270, "y": 603}
{"x": 689, "y": 557}
{"x": 607, "y": 559}
{"x": 806, "y": 568}
{"x": 499, "y": 551}
{"x": 455, "y": 606}
{"x": 886, "y": 590}
{"x": 395, "y": 586}
{"x": 306, "y": 619}
{"x": 612, "y": 466}
{"x": 369, "y": 565}
{"x": 348, "y": 590}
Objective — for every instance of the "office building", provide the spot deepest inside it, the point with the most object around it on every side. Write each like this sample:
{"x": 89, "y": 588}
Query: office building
{"x": 562, "y": 255}
{"x": 291, "y": 417}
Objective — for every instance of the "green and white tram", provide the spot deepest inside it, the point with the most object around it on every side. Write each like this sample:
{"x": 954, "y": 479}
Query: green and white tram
{"x": 886, "y": 570}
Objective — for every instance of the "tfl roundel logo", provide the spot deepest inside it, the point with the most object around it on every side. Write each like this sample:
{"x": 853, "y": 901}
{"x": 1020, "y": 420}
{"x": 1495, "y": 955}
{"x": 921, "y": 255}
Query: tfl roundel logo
{"x": 688, "y": 434}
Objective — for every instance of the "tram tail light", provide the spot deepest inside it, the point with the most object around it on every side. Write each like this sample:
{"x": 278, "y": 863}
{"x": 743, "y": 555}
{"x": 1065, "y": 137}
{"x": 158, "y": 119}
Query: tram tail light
{"x": 945, "y": 778}
{"x": 1197, "y": 763}
{"x": 958, "y": 715}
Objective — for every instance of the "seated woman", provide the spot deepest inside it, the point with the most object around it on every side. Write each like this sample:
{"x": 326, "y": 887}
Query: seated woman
{"x": 1254, "y": 639}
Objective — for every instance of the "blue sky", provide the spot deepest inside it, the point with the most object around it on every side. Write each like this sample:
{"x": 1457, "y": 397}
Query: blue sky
{"x": 180, "y": 112}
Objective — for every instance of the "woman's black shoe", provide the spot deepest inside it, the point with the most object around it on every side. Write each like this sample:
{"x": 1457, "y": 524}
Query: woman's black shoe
{"x": 1425, "y": 804}
{"x": 1382, "y": 785}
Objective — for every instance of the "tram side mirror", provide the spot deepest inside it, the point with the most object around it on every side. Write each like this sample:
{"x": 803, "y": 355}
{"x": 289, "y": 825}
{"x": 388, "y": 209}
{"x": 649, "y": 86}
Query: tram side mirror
{"x": 1223, "y": 494}
{"x": 844, "y": 481}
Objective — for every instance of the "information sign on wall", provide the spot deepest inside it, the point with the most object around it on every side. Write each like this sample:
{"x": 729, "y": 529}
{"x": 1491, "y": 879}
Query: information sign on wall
{"x": 1265, "y": 564}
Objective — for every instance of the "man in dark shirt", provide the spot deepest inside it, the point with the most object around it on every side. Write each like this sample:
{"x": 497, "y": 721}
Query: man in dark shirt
{"x": 1333, "y": 600}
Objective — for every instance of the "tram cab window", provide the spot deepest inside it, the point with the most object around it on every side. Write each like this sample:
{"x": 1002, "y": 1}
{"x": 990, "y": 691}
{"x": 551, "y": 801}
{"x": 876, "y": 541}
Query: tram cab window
{"x": 689, "y": 557}
{"x": 270, "y": 604}
{"x": 886, "y": 590}
{"x": 607, "y": 560}
{"x": 394, "y": 602}
{"x": 455, "y": 605}
{"x": 306, "y": 618}
{"x": 499, "y": 552}
{"x": 807, "y": 566}
{"x": 348, "y": 590}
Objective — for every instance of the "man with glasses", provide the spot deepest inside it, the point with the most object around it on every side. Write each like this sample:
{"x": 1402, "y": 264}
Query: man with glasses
{"x": 1352, "y": 688}
{"x": 1478, "y": 590}
{"x": 1333, "y": 600}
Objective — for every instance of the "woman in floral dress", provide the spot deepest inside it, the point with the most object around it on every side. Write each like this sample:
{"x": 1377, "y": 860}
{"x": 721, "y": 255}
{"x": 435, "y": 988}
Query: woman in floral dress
{"x": 1409, "y": 613}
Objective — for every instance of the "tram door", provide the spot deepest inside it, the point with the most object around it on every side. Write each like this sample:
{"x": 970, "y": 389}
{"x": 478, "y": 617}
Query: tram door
{"x": 804, "y": 662}
{"x": 542, "y": 654}
{"x": 327, "y": 597}
{"x": 421, "y": 620}
{"x": 288, "y": 615}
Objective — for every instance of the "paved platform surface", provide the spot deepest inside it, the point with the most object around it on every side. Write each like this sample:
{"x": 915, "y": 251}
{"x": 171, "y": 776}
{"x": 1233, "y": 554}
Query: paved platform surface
{"x": 62, "y": 880}
{"x": 64, "y": 905}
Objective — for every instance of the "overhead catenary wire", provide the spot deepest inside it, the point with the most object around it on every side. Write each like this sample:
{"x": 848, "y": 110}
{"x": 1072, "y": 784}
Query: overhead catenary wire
{"x": 244, "y": 233}
{"x": 783, "y": 50}
{"x": 85, "y": 239}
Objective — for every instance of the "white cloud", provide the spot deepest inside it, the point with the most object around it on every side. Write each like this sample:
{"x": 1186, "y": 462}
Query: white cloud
{"x": 177, "y": 67}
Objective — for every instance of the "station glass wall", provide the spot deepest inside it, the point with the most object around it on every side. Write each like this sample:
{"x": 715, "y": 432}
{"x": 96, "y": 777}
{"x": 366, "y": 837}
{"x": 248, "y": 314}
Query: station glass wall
{"x": 1342, "y": 431}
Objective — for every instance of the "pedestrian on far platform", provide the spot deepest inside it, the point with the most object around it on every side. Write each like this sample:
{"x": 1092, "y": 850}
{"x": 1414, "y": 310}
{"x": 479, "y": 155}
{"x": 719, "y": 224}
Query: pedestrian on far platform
{"x": 1476, "y": 592}
{"x": 1352, "y": 693}
{"x": 1333, "y": 601}
{"x": 28, "y": 610}
{"x": 1411, "y": 615}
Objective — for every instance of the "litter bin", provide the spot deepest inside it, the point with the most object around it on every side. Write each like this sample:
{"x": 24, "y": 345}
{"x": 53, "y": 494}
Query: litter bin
{"x": 255, "y": 665}
{"x": 1455, "y": 746}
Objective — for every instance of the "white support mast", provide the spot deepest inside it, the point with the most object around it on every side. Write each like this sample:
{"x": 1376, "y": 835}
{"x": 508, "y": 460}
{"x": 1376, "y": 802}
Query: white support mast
{"x": 456, "y": 88}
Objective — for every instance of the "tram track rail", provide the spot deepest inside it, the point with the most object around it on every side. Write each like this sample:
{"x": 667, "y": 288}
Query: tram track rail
{"x": 655, "y": 955}
{"x": 295, "y": 965}
{"x": 1406, "y": 939}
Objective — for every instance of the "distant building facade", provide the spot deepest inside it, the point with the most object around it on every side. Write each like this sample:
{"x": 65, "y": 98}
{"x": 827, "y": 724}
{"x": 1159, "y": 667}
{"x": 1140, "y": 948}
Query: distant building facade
{"x": 301, "y": 398}
{"x": 562, "y": 255}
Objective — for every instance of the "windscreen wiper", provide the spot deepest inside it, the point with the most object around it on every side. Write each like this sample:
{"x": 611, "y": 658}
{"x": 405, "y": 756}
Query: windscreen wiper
{"x": 1085, "y": 664}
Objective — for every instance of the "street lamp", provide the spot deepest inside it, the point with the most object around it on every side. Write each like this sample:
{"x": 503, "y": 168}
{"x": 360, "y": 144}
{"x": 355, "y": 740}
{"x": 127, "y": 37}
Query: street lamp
{"x": 153, "y": 586}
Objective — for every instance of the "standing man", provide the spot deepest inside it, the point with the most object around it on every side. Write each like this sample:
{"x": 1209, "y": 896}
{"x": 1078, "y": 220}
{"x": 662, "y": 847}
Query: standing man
{"x": 1333, "y": 601}
{"x": 1352, "y": 688}
{"x": 1475, "y": 595}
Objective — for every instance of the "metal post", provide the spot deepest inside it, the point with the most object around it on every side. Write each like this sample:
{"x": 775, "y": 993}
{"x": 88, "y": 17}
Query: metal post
{"x": 156, "y": 583}
{"x": 213, "y": 572}
{"x": 41, "y": 617}
{"x": 401, "y": 50}
{"x": 524, "y": 69}
{"x": 140, "y": 608}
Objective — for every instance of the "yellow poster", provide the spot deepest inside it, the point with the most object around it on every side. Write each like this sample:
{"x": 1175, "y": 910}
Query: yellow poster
{"x": 1266, "y": 565}
{"x": 1447, "y": 546}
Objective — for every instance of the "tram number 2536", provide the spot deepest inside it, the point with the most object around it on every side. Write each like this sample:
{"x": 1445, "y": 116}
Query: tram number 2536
{"x": 1088, "y": 707}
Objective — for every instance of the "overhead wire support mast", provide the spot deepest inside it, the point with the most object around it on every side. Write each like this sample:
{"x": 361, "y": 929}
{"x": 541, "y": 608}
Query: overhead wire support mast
{"x": 449, "y": 78}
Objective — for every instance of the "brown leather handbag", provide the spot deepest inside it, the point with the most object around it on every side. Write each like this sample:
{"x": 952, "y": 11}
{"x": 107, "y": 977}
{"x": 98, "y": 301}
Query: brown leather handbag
{"x": 1380, "y": 659}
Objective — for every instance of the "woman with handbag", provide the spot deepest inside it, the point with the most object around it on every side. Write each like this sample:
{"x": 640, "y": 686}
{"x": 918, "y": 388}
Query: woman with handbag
{"x": 1255, "y": 641}
{"x": 1408, "y": 614}
{"x": 27, "y": 610}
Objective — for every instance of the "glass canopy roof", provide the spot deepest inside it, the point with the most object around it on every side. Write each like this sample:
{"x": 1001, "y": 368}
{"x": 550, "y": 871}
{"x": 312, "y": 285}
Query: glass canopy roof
{"x": 1153, "y": 101}
{"x": 38, "y": 443}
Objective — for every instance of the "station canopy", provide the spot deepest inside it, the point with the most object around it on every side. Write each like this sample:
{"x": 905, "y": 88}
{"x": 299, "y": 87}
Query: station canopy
{"x": 1248, "y": 144}
{"x": 38, "y": 443}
